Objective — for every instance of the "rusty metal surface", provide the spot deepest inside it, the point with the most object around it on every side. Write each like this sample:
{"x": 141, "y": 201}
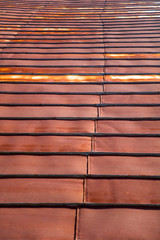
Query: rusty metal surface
{"x": 79, "y": 120}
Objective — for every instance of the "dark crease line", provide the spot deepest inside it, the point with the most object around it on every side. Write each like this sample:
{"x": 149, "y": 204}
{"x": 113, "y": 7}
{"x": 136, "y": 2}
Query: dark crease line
{"x": 97, "y": 47}
{"x": 84, "y": 118}
{"x": 136, "y": 135}
{"x": 80, "y": 59}
{"x": 80, "y": 66}
{"x": 80, "y": 74}
{"x": 79, "y": 154}
{"x": 79, "y": 93}
{"x": 79, "y": 83}
{"x": 79, "y": 205}
{"x": 80, "y": 105}
{"x": 79, "y": 176}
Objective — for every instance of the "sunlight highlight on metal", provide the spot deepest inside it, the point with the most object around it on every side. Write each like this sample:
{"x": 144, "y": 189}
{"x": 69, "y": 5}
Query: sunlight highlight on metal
{"x": 133, "y": 78}
{"x": 47, "y": 78}
{"x": 132, "y": 55}
{"x": 25, "y": 34}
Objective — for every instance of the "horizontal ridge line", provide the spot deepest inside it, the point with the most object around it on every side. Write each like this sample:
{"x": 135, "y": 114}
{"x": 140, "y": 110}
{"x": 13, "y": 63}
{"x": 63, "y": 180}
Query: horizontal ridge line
{"x": 81, "y": 176}
{"x": 135, "y": 135}
{"x": 84, "y": 118}
{"x": 79, "y": 205}
{"x": 80, "y": 105}
{"x": 80, "y": 83}
{"x": 80, "y": 154}
{"x": 81, "y": 74}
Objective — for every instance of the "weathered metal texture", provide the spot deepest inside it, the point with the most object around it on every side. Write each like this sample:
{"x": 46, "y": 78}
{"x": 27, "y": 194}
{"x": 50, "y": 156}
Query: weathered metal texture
{"x": 79, "y": 120}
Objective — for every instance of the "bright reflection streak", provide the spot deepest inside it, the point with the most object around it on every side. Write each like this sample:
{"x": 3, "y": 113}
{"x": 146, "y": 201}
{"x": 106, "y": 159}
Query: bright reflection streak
{"x": 61, "y": 29}
{"x": 142, "y": 11}
{"x": 119, "y": 55}
{"x": 133, "y": 3}
{"x": 74, "y": 31}
{"x": 135, "y": 11}
{"x": 68, "y": 8}
{"x": 133, "y": 7}
{"x": 47, "y": 78}
{"x": 117, "y": 17}
{"x": 75, "y": 78}
{"x": 141, "y": 16}
{"x": 13, "y": 26}
{"x": 139, "y": 55}
{"x": 7, "y": 28}
{"x": 54, "y": 29}
{"x": 133, "y": 78}
{"x": 6, "y": 40}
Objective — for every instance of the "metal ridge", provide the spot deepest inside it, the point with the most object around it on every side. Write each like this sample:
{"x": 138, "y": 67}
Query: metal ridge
{"x": 127, "y": 135}
{"x": 75, "y": 30}
{"x": 80, "y": 83}
{"x": 81, "y": 74}
{"x": 79, "y": 205}
{"x": 84, "y": 118}
{"x": 80, "y": 176}
{"x": 80, "y": 105}
{"x": 78, "y": 66}
{"x": 9, "y": 153}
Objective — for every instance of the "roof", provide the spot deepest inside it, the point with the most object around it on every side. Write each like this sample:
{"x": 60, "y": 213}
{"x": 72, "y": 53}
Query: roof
{"x": 79, "y": 120}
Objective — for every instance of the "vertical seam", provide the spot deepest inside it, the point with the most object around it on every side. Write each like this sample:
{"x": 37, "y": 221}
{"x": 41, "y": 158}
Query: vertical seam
{"x": 84, "y": 190}
{"x": 97, "y": 111}
{"x": 91, "y": 144}
{"x": 103, "y": 32}
{"x": 76, "y": 224}
{"x": 87, "y": 165}
{"x": 100, "y": 98}
{"x": 103, "y": 87}
{"x": 95, "y": 126}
